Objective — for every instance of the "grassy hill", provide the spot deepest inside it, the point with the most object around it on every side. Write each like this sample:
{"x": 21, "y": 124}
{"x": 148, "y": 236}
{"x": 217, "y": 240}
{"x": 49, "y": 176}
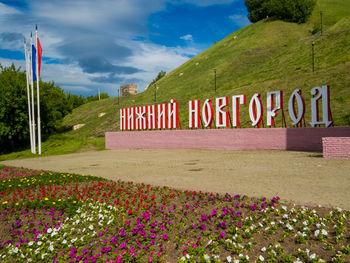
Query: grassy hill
{"x": 261, "y": 57}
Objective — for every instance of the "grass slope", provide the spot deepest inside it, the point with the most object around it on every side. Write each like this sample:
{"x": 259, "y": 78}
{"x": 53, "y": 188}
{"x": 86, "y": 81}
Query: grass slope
{"x": 266, "y": 56}
{"x": 261, "y": 57}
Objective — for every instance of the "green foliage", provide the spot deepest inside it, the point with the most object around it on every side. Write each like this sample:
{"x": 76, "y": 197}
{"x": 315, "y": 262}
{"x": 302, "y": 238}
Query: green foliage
{"x": 44, "y": 179}
{"x": 96, "y": 97}
{"x": 160, "y": 75}
{"x": 14, "y": 123}
{"x": 287, "y": 10}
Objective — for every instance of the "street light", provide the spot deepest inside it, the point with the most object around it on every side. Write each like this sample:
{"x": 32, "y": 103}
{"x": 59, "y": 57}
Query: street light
{"x": 215, "y": 79}
{"x": 313, "y": 57}
{"x": 118, "y": 96}
{"x": 321, "y": 22}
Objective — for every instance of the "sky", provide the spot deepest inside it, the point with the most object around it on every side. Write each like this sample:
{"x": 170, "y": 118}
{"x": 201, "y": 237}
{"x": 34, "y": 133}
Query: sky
{"x": 91, "y": 45}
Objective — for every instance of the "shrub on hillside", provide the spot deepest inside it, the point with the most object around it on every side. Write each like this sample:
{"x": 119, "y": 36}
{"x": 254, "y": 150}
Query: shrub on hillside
{"x": 297, "y": 11}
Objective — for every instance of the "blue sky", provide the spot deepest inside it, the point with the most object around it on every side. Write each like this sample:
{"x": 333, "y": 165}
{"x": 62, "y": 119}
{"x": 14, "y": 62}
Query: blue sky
{"x": 91, "y": 44}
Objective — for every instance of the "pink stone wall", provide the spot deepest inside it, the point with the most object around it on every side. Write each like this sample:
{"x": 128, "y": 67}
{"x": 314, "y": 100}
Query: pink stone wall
{"x": 302, "y": 139}
{"x": 336, "y": 147}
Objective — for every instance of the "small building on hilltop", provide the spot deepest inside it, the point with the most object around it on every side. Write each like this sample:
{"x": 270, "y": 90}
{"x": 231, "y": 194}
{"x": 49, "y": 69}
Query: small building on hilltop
{"x": 126, "y": 90}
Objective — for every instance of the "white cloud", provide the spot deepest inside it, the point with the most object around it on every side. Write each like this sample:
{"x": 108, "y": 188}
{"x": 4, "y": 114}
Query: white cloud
{"x": 7, "y": 10}
{"x": 152, "y": 58}
{"x": 206, "y": 2}
{"x": 239, "y": 20}
{"x": 187, "y": 37}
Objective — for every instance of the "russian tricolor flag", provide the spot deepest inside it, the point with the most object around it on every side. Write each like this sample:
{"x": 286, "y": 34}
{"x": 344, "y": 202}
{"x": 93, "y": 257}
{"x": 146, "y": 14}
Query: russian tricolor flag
{"x": 40, "y": 51}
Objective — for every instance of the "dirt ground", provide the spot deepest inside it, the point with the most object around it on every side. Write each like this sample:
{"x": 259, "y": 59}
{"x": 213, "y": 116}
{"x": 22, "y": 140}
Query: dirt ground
{"x": 299, "y": 177}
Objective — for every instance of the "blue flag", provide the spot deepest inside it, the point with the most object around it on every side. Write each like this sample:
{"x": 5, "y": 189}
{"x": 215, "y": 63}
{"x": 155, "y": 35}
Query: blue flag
{"x": 34, "y": 62}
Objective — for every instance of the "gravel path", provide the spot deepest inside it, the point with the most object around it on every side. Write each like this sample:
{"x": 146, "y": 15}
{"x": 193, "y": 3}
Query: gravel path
{"x": 300, "y": 177}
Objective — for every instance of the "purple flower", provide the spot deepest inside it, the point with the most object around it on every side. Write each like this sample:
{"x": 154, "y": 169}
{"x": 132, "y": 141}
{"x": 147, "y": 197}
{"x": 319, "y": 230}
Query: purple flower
{"x": 165, "y": 237}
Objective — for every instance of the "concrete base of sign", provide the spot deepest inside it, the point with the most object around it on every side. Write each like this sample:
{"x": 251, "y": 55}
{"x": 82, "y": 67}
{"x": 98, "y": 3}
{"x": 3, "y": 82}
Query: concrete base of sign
{"x": 299, "y": 139}
{"x": 338, "y": 147}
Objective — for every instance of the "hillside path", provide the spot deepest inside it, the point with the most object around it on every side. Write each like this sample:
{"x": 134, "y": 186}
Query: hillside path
{"x": 299, "y": 177}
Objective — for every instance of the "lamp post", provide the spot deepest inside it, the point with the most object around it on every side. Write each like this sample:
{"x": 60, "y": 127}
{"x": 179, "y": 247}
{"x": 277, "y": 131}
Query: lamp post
{"x": 215, "y": 79}
{"x": 118, "y": 96}
{"x": 155, "y": 93}
{"x": 313, "y": 57}
{"x": 321, "y": 22}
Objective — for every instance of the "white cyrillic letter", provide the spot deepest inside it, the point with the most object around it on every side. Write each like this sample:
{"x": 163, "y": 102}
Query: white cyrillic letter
{"x": 324, "y": 93}
{"x": 296, "y": 95}
{"x": 271, "y": 109}
{"x": 222, "y": 117}
{"x": 207, "y": 113}
{"x": 131, "y": 118}
{"x": 256, "y": 115}
{"x": 141, "y": 120}
{"x": 194, "y": 115}
{"x": 235, "y": 108}
{"x": 162, "y": 116}
{"x": 123, "y": 118}
{"x": 152, "y": 117}
{"x": 173, "y": 114}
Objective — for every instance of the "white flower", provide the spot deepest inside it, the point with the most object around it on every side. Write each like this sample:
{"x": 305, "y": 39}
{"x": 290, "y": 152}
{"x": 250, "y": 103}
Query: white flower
{"x": 261, "y": 258}
{"x": 284, "y": 208}
{"x": 318, "y": 225}
{"x": 73, "y": 240}
{"x": 49, "y": 230}
{"x": 43, "y": 255}
{"x": 313, "y": 256}
{"x": 187, "y": 256}
{"x": 207, "y": 257}
{"x": 210, "y": 242}
{"x": 229, "y": 259}
{"x": 236, "y": 261}
{"x": 298, "y": 261}
{"x": 263, "y": 249}
{"x": 317, "y": 232}
{"x": 39, "y": 243}
{"x": 91, "y": 227}
{"x": 51, "y": 248}
{"x": 324, "y": 232}
{"x": 30, "y": 243}
{"x": 13, "y": 250}
{"x": 64, "y": 242}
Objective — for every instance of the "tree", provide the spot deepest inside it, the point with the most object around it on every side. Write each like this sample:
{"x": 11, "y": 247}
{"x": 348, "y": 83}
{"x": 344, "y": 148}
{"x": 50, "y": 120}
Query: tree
{"x": 14, "y": 123}
{"x": 159, "y": 76}
{"x": 297, "y": 11}
{"x": 96, "y": 97}
{"x": 257, "y": 9}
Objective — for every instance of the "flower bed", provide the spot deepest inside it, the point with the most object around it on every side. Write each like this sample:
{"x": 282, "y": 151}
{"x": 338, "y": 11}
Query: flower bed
{"x": 57, "y": 217}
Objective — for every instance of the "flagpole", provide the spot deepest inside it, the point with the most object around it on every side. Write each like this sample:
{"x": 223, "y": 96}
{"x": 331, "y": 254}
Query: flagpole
{"x": 28, "y": 96}
{"x": 32, "y": 90}
{"x": 37, "y": 88}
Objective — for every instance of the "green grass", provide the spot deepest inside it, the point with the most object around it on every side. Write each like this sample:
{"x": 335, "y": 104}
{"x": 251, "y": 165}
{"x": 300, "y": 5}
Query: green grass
{"x": 261, "y": 57}
{"x": 60, "y": 144}
{"x": 266, "y": 56}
